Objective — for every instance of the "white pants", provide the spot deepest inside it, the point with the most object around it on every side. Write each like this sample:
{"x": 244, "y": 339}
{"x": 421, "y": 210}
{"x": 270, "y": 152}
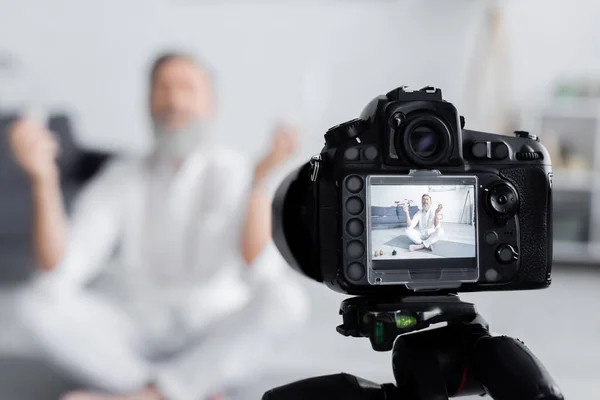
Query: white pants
{"x": 97, "y": 343}
{"x": 426, "y": 238}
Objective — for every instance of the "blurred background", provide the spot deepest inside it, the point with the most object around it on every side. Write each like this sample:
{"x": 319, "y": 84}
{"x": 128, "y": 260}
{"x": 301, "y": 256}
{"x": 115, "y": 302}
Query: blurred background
{"x": 529, "y": 65}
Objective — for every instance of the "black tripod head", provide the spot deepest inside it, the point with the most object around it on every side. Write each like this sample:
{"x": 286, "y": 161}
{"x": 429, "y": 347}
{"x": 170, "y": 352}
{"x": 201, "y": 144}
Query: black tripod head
{"x": 383, "y": 320}
{"x": 460, "y": 359}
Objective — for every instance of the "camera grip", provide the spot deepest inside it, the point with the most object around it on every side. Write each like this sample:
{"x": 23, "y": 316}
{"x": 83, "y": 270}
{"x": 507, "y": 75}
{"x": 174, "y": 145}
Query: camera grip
{"x": 535, "y": 223}
{"x": 509, "y": 371}
{"x": 333, "y": 387}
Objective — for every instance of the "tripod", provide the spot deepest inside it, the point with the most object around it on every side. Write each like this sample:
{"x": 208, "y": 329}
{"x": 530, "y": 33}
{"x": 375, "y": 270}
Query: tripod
{"x": 460, "y": 359}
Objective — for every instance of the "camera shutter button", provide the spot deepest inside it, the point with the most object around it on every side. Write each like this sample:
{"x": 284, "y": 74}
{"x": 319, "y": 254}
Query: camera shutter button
{"x": 526, "y": 135}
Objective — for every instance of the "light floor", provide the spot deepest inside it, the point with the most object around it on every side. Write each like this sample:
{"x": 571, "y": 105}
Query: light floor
{"x": 561, "y": 325}
{"x": 385, "y": 240}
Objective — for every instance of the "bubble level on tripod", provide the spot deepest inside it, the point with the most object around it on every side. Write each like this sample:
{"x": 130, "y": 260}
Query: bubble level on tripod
{"x": 405, "y": 321}
{"x": 379, "y": 332}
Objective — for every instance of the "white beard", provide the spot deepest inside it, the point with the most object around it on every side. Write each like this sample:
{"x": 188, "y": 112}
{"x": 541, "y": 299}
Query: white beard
{"x": 179, "y": 143}
{"x": 426, "y": 208}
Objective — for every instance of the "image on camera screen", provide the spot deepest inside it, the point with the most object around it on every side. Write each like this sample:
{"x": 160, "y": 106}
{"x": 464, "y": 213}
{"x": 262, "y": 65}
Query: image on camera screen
{"x": 422, "y": 221}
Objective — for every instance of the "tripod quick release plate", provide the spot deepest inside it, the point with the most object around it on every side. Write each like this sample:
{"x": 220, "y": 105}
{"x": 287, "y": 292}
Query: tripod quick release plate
{"x": 383, "y": 320}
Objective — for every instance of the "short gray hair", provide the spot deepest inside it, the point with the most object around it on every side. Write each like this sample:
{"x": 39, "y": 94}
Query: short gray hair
{"x": 166, "y": 57}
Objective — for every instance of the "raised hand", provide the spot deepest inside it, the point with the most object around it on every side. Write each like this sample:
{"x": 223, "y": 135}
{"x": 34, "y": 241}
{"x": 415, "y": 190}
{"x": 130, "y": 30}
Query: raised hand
{"x": 284, "y": 143}
{"x": 34, "y": 148}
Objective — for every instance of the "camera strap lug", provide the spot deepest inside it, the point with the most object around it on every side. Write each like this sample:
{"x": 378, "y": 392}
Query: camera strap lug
{"x": 315, "y": 164}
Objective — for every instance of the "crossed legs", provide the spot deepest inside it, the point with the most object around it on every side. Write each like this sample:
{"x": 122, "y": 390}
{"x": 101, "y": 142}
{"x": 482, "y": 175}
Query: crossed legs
{"x": 93, "y": 340}
{"x": 423, "y": 241}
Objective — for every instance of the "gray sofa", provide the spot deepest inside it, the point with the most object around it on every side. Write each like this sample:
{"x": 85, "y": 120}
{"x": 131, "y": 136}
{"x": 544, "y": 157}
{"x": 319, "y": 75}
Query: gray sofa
{"x": 24, "y": 375}
{"x": 76, "y": 166}
{"x": 390, "y": 217}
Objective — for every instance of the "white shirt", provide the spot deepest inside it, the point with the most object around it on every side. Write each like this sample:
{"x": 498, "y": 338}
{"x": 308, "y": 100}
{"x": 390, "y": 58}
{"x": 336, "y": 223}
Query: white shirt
{"x": 424, "y": 220}
{"x": 177, "y": 235}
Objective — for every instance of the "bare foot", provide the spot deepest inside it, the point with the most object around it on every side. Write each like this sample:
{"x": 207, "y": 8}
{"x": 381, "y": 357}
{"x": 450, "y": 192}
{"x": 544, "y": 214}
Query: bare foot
{"x": 415, "y": 247}
{"x": 149, "y": 393}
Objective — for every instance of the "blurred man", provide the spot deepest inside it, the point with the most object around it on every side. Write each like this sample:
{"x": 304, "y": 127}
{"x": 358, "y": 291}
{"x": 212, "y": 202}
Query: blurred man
{"x": 199, "y": 294}
{"x": 428, "y": 222}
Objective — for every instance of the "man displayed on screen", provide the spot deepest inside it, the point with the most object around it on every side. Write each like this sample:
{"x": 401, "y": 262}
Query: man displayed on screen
{"x": 424, "y": 228}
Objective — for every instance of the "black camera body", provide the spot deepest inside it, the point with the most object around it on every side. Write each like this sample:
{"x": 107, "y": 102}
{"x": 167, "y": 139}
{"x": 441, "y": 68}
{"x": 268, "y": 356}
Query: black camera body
{"x": 404, "y": 200}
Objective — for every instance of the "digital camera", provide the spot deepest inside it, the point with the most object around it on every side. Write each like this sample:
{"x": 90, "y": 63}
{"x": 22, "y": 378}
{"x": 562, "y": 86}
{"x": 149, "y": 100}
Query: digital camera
{"x": 404, "y": 200}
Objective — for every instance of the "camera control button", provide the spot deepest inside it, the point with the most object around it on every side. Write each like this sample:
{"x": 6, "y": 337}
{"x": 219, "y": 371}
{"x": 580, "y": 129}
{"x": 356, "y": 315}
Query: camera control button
{"x": 348, "y": 130}
{"x": 354, "y": 205}
{"x": 491, "y": 275}
{"x": 352, "y": 154}
{"x": 479, "y": 150}
{"x": 500, "y": 151}
{"x": 355, "y": 249}
{"x": 506, "y": 254}
{"x": 371, "y": 153}
{"x": 355, "y": 271}
{"x": 354, "y": 184}
{"x": 502, "y": 199}
{"x": 491, "y": 238}
{"x": 526, "y": 135}
{"x": 355, "y": 227}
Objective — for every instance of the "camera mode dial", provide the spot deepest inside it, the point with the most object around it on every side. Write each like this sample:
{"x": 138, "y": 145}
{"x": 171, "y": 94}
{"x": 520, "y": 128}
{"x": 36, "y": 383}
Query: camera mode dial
{"x": 345, "y": 131}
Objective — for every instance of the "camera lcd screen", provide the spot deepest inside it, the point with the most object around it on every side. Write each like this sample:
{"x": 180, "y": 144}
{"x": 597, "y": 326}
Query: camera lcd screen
{"x": 423, "y": 223}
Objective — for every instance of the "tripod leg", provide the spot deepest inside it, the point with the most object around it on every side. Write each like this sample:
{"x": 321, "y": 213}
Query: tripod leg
{"x": 428, "y": 378}
{"x": 417, "y": 367}
{"x": 509, "y": 371}
{"x": 334, "y": 387}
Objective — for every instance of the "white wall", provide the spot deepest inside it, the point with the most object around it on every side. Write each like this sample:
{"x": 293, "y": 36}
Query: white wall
{"x": 551, "y": 38}
{"x": 546, "y": 40}
{"x": 453, "y": 200}
{"x": 318, "y": 62}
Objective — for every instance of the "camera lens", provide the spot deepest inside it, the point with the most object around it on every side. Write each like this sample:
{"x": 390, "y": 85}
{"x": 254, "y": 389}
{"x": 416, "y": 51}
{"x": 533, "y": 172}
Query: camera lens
{"x": 502, "y": 199}
{"x": 425, "y": 140}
